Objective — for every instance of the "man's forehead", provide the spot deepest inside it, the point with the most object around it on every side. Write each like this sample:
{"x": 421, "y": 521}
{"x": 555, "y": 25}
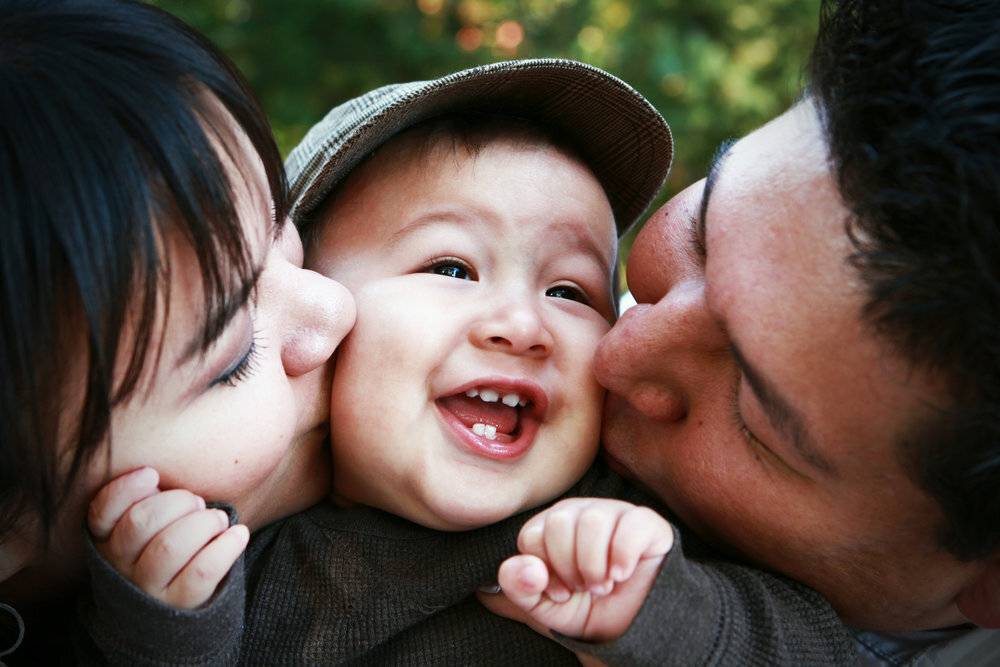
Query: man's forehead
{"x": 777, "y": 276}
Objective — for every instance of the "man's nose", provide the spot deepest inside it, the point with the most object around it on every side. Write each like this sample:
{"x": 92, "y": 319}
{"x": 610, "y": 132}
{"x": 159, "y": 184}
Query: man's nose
{"x": 665, "y": 251}
{"x": 658, "y": 356}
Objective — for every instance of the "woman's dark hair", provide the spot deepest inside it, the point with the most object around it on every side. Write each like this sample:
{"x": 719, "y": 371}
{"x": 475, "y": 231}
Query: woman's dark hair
{"x": 910, "y": 96}
{"x": 108, "y": 114}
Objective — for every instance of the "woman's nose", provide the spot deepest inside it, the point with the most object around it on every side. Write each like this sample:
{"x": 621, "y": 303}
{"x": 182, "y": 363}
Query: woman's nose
{"x": 513, "y": 325}
{"x": 660, "y": 356}
{"x": 320, "y": 313}
{"x": 316, "y": 312}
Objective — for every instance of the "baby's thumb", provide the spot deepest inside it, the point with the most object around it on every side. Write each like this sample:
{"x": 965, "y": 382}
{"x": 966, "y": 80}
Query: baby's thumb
{"x": 523, "y": 579}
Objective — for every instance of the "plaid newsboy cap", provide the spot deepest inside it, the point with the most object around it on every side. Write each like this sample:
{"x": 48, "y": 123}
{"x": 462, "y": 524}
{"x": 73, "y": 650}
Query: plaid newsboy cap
{"x": 615, "y": 130}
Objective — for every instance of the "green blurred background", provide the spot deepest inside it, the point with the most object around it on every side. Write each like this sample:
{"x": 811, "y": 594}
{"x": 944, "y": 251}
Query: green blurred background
{"x": 714, "y": 68}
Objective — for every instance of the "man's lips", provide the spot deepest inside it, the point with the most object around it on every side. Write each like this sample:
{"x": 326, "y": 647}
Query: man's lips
{"x": 616, "y": 419}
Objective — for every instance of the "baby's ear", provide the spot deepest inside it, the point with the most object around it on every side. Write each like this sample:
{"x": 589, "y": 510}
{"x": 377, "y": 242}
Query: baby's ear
{"x": 980, "y": 601}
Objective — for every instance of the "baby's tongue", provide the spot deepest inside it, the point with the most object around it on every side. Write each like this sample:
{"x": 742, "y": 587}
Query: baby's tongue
{"x": 471, "y": 411}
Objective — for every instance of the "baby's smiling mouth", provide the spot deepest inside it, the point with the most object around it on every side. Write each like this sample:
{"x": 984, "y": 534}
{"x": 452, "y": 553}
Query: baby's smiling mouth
{"x": 487, "y": 412}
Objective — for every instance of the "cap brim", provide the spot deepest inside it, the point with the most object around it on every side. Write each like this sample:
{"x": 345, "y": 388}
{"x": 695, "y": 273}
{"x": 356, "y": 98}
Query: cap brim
{"x": 615, "y": 130}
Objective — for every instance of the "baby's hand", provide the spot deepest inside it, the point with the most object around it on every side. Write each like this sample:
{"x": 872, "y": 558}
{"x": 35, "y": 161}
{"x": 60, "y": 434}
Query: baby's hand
{"x": 586, "y": 565}
{"x": 165, "y": 542}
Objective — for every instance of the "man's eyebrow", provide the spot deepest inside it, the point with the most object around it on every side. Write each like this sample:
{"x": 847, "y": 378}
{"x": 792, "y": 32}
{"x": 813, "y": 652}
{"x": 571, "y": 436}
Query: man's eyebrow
{"x": 783, "y": 416}
{"x": 714, "y": 168}
{"x": 220, "y": 314}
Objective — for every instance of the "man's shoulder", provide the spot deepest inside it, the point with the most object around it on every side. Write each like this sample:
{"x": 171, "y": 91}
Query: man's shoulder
{"x": 978, "y": 647}
{"x": 966, "y": 646}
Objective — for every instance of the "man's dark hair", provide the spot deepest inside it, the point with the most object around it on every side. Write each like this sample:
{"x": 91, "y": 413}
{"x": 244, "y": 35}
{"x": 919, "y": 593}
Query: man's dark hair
{"x": 108, "y": 143}
{"x": 910, "y": 96}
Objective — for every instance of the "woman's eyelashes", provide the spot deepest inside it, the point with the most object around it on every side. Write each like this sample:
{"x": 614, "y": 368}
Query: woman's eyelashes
{"x": 244, "y": 367}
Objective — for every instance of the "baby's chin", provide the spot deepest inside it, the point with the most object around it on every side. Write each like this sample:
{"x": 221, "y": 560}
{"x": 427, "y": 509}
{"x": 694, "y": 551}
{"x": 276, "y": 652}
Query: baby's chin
{"x": 454, "y": 515}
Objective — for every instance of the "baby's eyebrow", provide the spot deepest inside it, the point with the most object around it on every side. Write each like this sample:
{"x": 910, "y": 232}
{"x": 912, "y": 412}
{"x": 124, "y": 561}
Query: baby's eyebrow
{"x": 571, "y": 237}
{"x": 423, "y": 221}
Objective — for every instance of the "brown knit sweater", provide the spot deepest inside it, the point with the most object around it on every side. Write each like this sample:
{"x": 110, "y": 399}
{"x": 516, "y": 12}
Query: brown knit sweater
{"x": 362, "y": 587}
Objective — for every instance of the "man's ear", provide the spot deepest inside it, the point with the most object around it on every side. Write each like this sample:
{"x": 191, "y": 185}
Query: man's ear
{"x": 980, "y": 601}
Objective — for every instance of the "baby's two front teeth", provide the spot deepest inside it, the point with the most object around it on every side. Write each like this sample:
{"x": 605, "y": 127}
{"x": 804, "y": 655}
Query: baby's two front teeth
{"x": 486, "y": 430}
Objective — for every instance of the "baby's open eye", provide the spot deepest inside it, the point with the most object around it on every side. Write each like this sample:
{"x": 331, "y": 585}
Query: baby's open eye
{"x": 567, "y": 292}
{"x": 451, "y": 271}
{"x": 452, "y": 268}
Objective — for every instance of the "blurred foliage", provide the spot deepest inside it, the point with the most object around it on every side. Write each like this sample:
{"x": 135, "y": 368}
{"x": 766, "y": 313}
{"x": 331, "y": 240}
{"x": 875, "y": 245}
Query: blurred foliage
{"x": 714, "y": 68}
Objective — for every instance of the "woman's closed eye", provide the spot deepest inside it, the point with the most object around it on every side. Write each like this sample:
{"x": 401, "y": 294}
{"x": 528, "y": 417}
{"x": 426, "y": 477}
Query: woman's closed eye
{"x": 244, "y": 367}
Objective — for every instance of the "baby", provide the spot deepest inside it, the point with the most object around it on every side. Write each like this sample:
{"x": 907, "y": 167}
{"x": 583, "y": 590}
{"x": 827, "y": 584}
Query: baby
{"x": 480, "y": 255}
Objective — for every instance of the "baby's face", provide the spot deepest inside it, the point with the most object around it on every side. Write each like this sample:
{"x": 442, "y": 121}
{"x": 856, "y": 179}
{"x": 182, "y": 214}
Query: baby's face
{"x": 465, "y": 392}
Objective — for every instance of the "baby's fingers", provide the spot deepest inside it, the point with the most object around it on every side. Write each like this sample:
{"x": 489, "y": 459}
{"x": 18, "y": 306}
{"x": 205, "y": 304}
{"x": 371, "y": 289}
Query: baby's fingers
{"x": 533, "y": 541}
{"x": 174, "y": 548}
{"x": 199, "y": 579}
{"x": 142, "y": 522}
{"x": 560, "y": 544}
{"x": 594, "y": 532}
{"x": 116, "y": 497}
{"x": 641, "y": 534}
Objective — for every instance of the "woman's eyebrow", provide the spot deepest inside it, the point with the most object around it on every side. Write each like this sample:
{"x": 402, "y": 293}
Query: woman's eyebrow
{"x": 221, "y": 312}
